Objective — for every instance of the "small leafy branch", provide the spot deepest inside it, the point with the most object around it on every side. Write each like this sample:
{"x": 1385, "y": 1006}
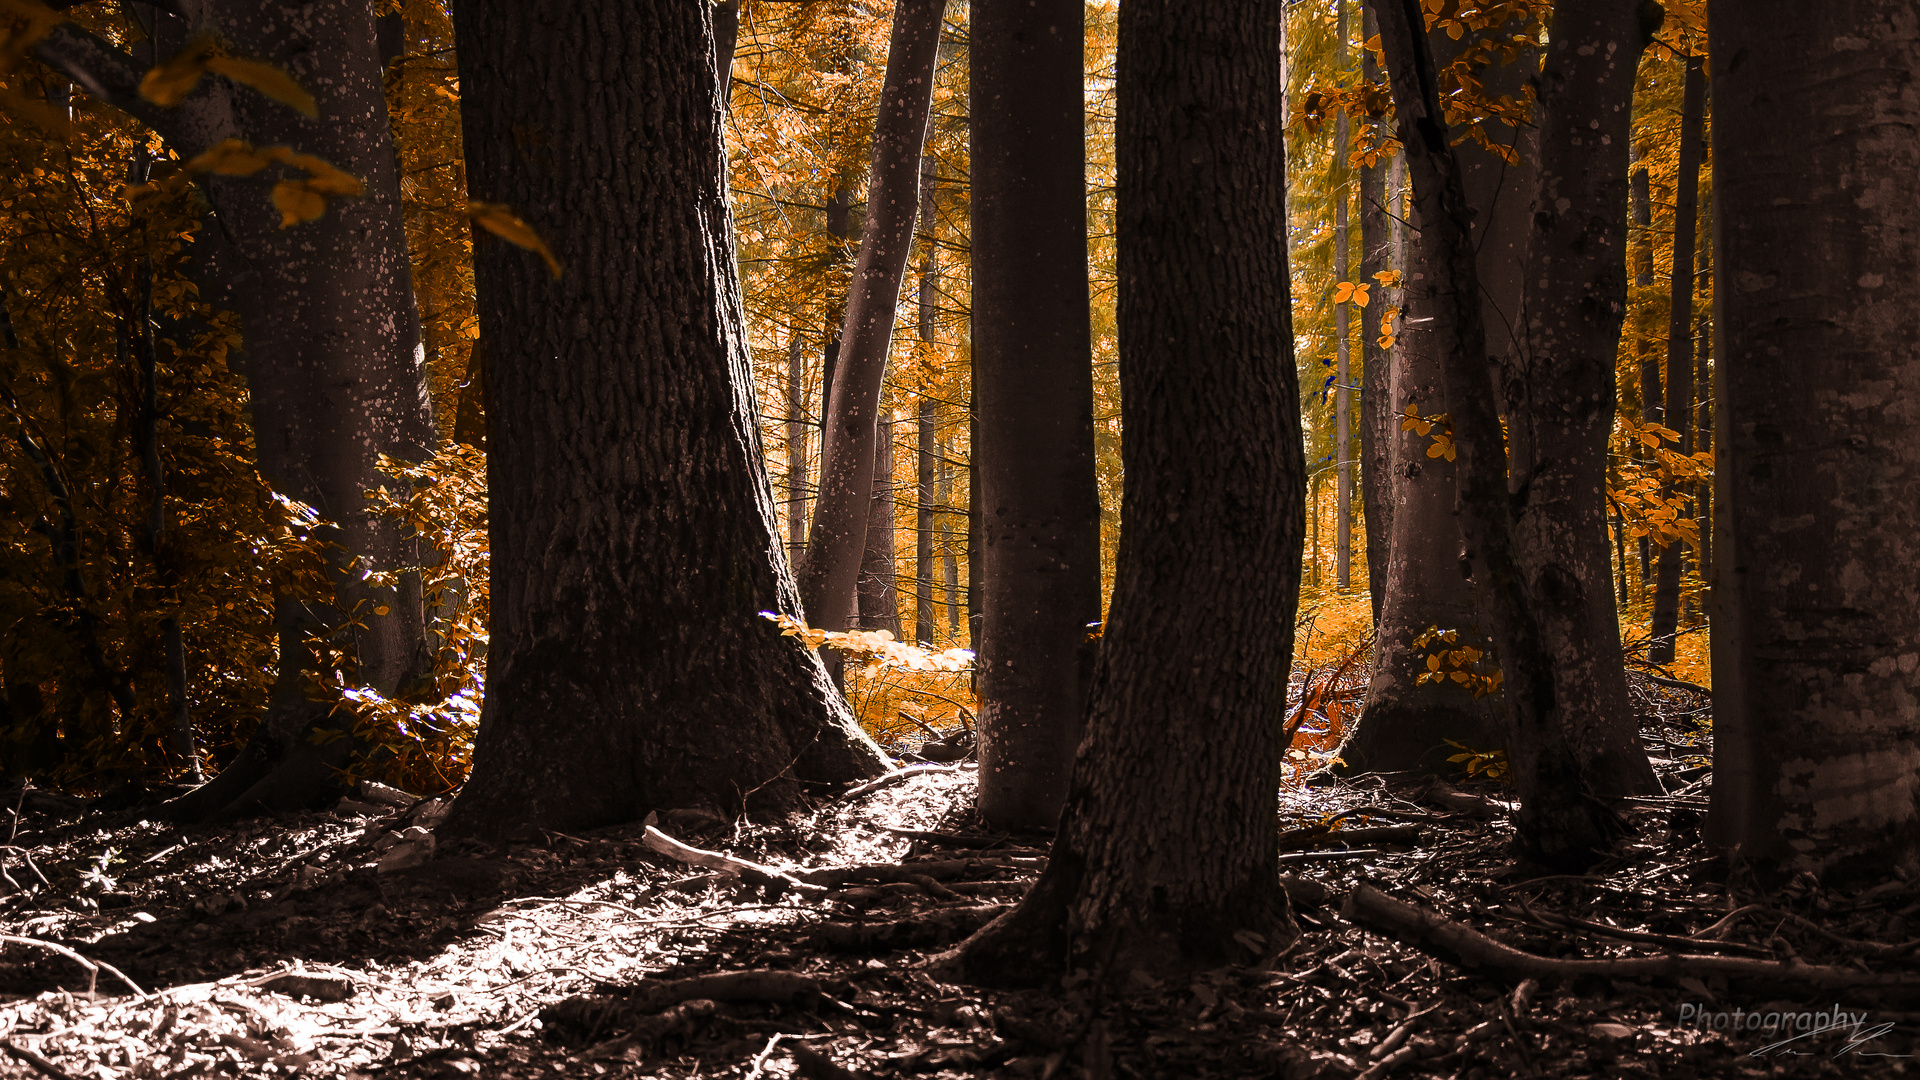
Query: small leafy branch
{"x": 1491, "y": 764}
{"x": 1440, "y": 425}
{"x": 1462, "y": 665}
{"x": 875, "y": 649}
{"x": 1652, "y": 493}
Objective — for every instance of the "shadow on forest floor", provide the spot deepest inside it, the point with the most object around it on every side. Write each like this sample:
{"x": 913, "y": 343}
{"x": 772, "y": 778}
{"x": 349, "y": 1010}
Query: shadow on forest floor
{"x": 278, "y": 948}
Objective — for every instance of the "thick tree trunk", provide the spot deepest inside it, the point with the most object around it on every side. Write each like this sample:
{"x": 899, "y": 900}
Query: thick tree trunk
{"x": 835, "y": 546}
{"x": 1039, "y": 569}
{"x": 632, "y": 523}
{"x": 1576, "y": 298}
{"x": 878, "y": 599}
{"x": 1166, "y": 859}
{"x": 1816, "y": 644}
{"x": 924, "y": 461}
{"x": 1679, "y": 406}
{"x": 1559, "y": 822}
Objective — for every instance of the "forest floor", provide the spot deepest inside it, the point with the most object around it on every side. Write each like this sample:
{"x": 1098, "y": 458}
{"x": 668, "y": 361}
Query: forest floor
{"x": 308, "y": 947}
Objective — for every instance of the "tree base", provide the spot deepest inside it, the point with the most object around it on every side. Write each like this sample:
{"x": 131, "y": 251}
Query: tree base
{"x": 279, "y": 771}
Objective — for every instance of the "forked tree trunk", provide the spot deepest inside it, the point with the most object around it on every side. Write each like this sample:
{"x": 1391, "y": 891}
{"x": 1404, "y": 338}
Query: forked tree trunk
{"x": 632, "y": 523}
{"x": 1166, "y": 859}
{"x": 1039, "y": 566}
{"x": 1576, "y": 297}
{"x": 1679, "y": 407}
{"x": 836, "y": 544}
{"x": 1816, "y": 638}
{"x": 1559, "y": 823}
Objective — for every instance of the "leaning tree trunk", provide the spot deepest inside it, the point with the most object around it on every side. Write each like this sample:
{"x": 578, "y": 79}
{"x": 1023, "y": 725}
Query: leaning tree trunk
{"x": 632, "y": 523}
{"x": 1559, "y": 823}
{"x": 1576, "y": 297}
{"x": 1039, "y": 566}
{"x": 1816, "y": 640}
{"x": 1166, "y": 860}
{"x": 1679, "y": 409}
{"x": 836, "y": 543}
{"x": 1410, "y": 717}
{"x": 331, "y": 346}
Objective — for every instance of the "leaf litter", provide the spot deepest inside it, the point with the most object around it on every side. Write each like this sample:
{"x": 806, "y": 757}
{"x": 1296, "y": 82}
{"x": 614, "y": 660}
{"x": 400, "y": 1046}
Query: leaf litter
{"x": 343, "y": 944}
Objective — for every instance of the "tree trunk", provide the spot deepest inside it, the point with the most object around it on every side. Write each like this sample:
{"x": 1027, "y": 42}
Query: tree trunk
{"x": 796, "y": 451}
{"x": 1166, "y": 860}
{"x": 632, "y": 524}
{"x": 1039, "y": 568}
{"x": 1559, "y": 822}
{"x": 1376, "y": 424}
{"x": 835, "y": 546}
{"x": 879, "y": 592}
{"x": 924, "y": 460}
{"x": 949, "y": 561}
{"x": 1575, "y": 301}
{"x": 1342, "y": 333}
{"x": 1679, "y": 408}
{"x": 1816, "y": 645}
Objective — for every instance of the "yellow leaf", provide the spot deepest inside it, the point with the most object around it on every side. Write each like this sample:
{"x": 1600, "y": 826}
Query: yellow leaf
{"x": 1387, "y": 278}
{"x": 268, "y": 80}
{"x": 382, "y": 610}
{"x": 497, "y": 219}
{"x": 233, "y": 157}
{"x": 1360, "y": 294}
{"x": 297, "y": 202}
{"x": 170, "y": 82}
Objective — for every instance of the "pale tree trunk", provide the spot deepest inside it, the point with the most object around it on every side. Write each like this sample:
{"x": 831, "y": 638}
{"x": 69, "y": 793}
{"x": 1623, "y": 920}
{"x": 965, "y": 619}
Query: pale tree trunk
{"x": 1816, "y": 643}
{"x": 924, "y": 467}
{"x": 1679, "y": 407}
{"x": 1575, "y": 301}
{"x": 1559, "y": 823}
{"x": 632, "y": 525}
{"x": 331, "y": 344}
{"x": 1406, "y": 723}
{"x": 1342, "y": 335}
{"x": 835, "y": 546}
{"x": 949, "y": 561}
{"x": 1166, "y": 860}
{"x": 878, "y": 597}
{"x": 1376, "y": 430}
{"x": 796, "y": 450}
{"x": 1039, "y": 568}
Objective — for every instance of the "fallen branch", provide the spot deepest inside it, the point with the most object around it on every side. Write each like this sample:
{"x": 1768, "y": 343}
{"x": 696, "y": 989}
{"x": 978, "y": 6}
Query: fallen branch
{"x": 1327, "y": 856}
{"x": 896, "y": 777}
{"x": 941, "y": 870}
{"x": 1555, "y": 921}
{"x": 943, "y": 926}
{"x": 713, "y": 860}
{"x": 784, "y": 987}
{"x": 94, "y": 967}
{"x": 1316, "y": 836}
{"x": 40, "y": 1064}
{"x": 1470, "y": 948}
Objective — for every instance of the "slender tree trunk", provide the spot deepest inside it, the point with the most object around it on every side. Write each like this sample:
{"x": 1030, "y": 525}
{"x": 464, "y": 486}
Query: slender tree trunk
{"x": 1342, "y": 333}
{"x": 836, "y": 544}
{"x": 1816, "y": 643}
{"x": 1559, "y": 822}
{"x": 1703, "y": 440}
{"x": 1679, "y": 408}
{"x": 632, "y": 524}
{"x": 1376, "y": 424}
{"x": 1188, "y": 692}
{"x": 1039, "y": 569}
{"x": 949, "y": 561}
{"x": 796, "y": 450}
{"x": 1576, "y": 298}
{"x": 879, "y": 592}
{"x": 925, "y": 461}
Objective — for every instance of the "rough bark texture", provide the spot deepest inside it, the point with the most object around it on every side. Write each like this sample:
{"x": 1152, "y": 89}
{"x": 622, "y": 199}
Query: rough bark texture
{"x": 331, "y": 335}
{"x": 796, "y": 451}
{"x": 1376, "y": 425}
{"x": 1167, "y": 854}
{"x": 1576, "y": 299}
{"x": 1039, "y": 563}
{"x": 1679, "y": 406}
{"x": 835, "y": 546}
{"x": 632, "y": 522}
{"x": 1559, "y": 822}
{"x": 878, "y": 596}
{"x": 1816, "y": 644}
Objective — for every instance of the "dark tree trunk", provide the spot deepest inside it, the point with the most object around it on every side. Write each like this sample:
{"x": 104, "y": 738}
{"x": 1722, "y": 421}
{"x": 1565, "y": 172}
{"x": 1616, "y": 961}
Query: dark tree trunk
{"x": 1376, "y": 410}
{"x": 1560, "y": 823}
{"x": 1679, "y": 409}
{"x": 796, "y": 451}
{"x": 836, "y": 544}
{"x": 1576, "y": 298}
{"x": 1703, "y": 440}
{"x": 924, "y": 459}
{"x": 1039, "y": 568}
{"x": 879, "y": 592}
{"x": 632, "y": 523}
{"x": 1816, "y": 640}
{"x": 1188, "y": 693}
{"x": 1342, "y": 331}
{"x": 949, "y": 560}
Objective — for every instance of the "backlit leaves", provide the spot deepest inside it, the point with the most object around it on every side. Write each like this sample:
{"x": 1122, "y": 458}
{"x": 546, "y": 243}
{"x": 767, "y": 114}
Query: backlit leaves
{"x": 499, "y": 220}
{"x": 298, "y": 200}
{"x": 170, "y": 82}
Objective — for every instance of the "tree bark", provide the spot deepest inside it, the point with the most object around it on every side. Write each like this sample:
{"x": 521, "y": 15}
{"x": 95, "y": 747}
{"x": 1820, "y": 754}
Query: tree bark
{"x": 1560, "y": 823}
{"x": 949, "y": 560}
{"x": 1167, "y": 856}
{"x": 1576, "y": 299}
{"x": 879, "y": 592}
{"x": 796, "y": 451}
{"x": 924, "y": 461}
{"x": 1342, "y": 332}
{"x": 1816, "y": 645}
{"x": 835, "y": 546}
{"x": 632, "y": 523}
{"x": 1679, "y": 406}
{"x": 1376, "y": 425}
{"x": 1039, "y": 568}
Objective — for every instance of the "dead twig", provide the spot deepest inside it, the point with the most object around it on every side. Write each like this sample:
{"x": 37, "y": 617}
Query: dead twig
{"x": 895, "y": 777}
{"x": 94, "y": 967}
{"x": 656, "y": 840}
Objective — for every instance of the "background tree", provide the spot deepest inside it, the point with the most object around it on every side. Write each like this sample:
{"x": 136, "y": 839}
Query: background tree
{"x": 1039, "y": 564}
{"x": 633, "y": 531}
{"x": 1817, "y": 645}
{"x": 1188, "y": 690}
